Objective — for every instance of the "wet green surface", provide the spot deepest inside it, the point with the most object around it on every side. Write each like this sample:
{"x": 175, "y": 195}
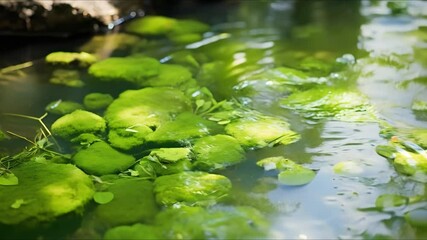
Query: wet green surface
{"x": 334, "y": 91}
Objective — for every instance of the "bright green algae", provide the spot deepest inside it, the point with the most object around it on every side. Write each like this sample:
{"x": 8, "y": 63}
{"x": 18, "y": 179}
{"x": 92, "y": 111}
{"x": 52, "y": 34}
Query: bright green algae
{"x": 78, "y": 122}
{"x": 81, "y": 59}
{"x": 66, "y": 77}
{"x": 60, "y": 107}
{"x": 97, "y": 101}
{"x": 45, "y": 191}
{"x": 191, "y": 188}
{"x": 128, "y": 138}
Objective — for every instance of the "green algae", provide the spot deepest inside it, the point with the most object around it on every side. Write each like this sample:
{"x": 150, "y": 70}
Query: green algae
{"x": 135, "y": 232}
{"x": 169, "y": 75}
{"x": 191, "y": 188}
{"x": 133, "y": 203}
{"x": 60, "y": 107}
{"x": 151, "y": 25}
{"x": 81, "y": 59}
{"x": 128, "y": 138}
{"x": 78, "y": 122}
{"x": 148, "y": 106}
{"x": 66, "y": 77}
{"x": 45, "y": 192}
{"x": 217, "y": 152}
{"x": 181, "y": 131}
{"x": 97, "y": 101}
{"x": 101, "y": 159}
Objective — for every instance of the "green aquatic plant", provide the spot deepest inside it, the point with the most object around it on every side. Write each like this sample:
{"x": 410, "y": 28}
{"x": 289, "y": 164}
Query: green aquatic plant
{"x": 66, "y": 77}
{"x": 419, "y": 105}
{"x": 335, "y": 103}
{"x": 101, "y": 159}
{"x": 417, "y": 217}
{"x": 191, "y": 188}
{"x": 76, "y": 123}
{"x": 45, "y": 191}
{"x": 290, "y": 173}
{"x": 170, "y": 75}
{"x": 81, "y": 59}
{"x": 217, "y": 152}
{"x": 182, "y": 130}
{"x": 97, "y": 101}
{"x": 3, "y": 136}
{"x": 135, "y": 232}
{"x": 148, "y": 106}
{"x": 128, "y": 138}
{"x": 60, "y": 107}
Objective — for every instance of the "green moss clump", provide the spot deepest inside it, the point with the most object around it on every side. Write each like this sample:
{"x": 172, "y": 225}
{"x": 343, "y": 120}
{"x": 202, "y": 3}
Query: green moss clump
{"x": 133, "y": 202}
{"x": 134, "y": 232}
{"x": 101, "y": 159}
{"x": 333, "y": 103}
{"x": 186, "y": 127}
{"x": 217, "y": 152}
{"x": 191, "y": 188}
{"x": 419, "y": 136}
{"x": 63, "y": 107}
{"x": 149, "y": 106}
{"x": 128, "y": 69}
{"x": 78, "y": 122}
{"x": 212, "y": 223}
{"x": 410, "y": 163}
{"x": 69, "y": 78}
{"x": 97, "y": 101}
{"x": 81, "y": 59}
{"x": 170, "y": 75}
{"x": 45, "y": 191}
{"x": 128, "y": 138}
{"x": 261, "y": 132}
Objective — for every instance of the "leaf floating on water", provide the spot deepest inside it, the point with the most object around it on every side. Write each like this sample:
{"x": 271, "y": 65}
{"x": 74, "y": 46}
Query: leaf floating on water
{"x": 390, "y": 200}
{"x": 348, "y": 168}
{"x": 296, "y": 176}
{"x": 417, "y": 217}
{"x": 8, "y": 179}
{"x": 103, "y": 197}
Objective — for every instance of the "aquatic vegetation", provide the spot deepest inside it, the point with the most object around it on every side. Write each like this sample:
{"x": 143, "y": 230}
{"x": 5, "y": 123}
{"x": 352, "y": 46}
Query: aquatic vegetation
{"x": 81, "y": 59}
{"x": 78, "y": 122}
{"x": 137, "y": 231}
{"x": 182, "y": 130}
{"x": 259, "y": 132}
{"x": 133, "y": 196}
{"x": 3, "y": 136}
{"x": 148, "y": 106}
{"x": 60, "y": 107}
{"x": 335, "y": 103}
{"x": 419, "y": 105}
{"x": 417, "y": 217}
{"x": 128, "y": 138}
{"x": 217, "y": 152}
{"x": 170, "y": 75}
{"x": 348, "y": 168}
{"x": 290, "y": 173}
{"x": 129, "y": 69}
{"x": 101, "y": 159}
{"x": 97, "y": 101}
{"x": 191, "y": 188}
{"x": 66, "y": 77}
{"x": 45, "y": 191}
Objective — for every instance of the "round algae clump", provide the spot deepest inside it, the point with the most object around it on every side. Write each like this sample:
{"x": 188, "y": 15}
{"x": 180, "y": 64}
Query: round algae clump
{"x": 63, "y": 107}
{"x": 101, "y": 159}
{"x": 78, "y": 122}
{"x": 97, "y": 101}
{"x": 82, "y": 59}
{"x": 45, "y": 191}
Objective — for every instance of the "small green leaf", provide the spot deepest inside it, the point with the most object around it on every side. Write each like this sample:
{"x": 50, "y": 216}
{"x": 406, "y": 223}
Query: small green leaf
{"x": 8, "y": 179}
{"x": 296, "y": 176}
{"x": 348, "y": 168}
{"x": 390, "y": 200}
{"x": 18, "y": 203}
{"x": 199, "y": 103}
{"x": 103, "y": 197}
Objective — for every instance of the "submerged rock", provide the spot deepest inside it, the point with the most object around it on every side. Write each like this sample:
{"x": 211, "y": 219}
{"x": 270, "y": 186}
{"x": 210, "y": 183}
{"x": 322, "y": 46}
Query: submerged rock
{"x": 186, "y": 127}
{"x": 97, "y": 101}
{"x": 101, "y": 159}
{"x": 81, "y": 59}
{"x": 128, "y": 138}
{"x": 78, "y": 122}
{"x": 217, "y": 152}
{"x": 148, "y": 106}
{"x": 45, "y": 191}
{"x": 66, "y": 77}
{"x": 191, "y": 188}
{"x": 60, "y": 107}
{"x": 133, "y": 202}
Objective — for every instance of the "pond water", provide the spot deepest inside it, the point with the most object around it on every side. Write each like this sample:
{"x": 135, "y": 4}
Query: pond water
{"x": 373, "y": 51}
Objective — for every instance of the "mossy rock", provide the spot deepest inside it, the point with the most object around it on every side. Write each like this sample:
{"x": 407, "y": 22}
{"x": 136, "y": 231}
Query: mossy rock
{"x": 101, "y": 159}
{"x": 97, "y": 101}
{"x": 135, "y": 232}
{"x": 191, "y": 188}
{"x": 186, "y": 127}
{"x": 60, "y": 107}
{"x": 261, "y": 132}
{"x": 128, "y": 138}
{"x": 133, "y": 202}
{"x": 213, "y": 223}
{"x": 149, "y": 106}
{"x": 128, "y": 69}
{"x": 45, "y": 192}
{"x": 78, "y": 122}
{"x": 151, "y": 25}
{"x": 66, "y": 77}
{"x": 217, "y": 152}
{"x": 169, "y": 75}
{"x": 81, "y": 59}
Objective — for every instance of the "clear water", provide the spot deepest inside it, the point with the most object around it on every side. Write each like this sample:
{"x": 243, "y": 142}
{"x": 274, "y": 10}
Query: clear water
{"x": 266, "y": 34}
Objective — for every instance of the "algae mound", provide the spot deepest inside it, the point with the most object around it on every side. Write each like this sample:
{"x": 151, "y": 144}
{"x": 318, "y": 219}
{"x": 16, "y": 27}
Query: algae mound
{"x": 60, "y": 107}
{"x": 82, "y": 59}
{"x": 45, "y": 191}
{"x": 97, "y": 101}
{"x": 78, "y": 122}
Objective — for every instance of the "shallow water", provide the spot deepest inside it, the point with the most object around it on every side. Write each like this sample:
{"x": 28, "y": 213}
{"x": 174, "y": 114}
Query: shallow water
{"x": 390, "y": 69}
